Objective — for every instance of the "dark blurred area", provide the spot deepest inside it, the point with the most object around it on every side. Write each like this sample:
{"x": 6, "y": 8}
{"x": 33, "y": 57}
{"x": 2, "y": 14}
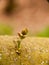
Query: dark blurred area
{"x": 19, "y": 14}
{"x": 48, "y": 0}
{"x": 9, "y": 7}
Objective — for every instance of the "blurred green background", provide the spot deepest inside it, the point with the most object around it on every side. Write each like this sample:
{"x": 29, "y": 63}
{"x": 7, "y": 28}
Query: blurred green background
{"x": 43, "y": 33}
{"x": 18, "y": 14}
{"x": 5, "y": 29}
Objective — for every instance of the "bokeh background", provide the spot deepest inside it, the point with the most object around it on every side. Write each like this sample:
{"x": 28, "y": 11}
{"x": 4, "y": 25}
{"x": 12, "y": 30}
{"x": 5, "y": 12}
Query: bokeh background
{"x": 16, "y": 15}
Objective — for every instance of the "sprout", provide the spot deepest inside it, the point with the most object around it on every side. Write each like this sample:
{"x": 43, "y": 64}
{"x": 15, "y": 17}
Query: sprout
{"x": 23, "y": 33}
{"x": 21, "y": 37}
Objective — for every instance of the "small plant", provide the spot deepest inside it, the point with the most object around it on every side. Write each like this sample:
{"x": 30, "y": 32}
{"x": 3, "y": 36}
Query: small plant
{"x": 23, "y": 33}
{"x": 21, "y": 36}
